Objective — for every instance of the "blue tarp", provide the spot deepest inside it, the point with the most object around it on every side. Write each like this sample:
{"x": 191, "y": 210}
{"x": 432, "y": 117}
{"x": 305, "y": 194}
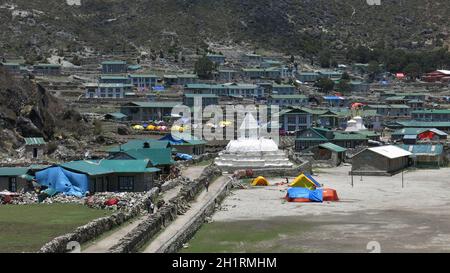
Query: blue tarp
{"x": 158, "y": 88}
{"x": 64, "y": 181}
{"x": 314, "y": 196}
{"x": 184, "y": 156}
{"x": 172, "y": 140}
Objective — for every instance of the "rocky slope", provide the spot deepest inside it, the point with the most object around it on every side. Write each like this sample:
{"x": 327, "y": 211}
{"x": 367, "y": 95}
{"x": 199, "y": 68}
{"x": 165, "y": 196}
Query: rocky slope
{"x": 297, "y": 26}
{"x": 27, "y": 110}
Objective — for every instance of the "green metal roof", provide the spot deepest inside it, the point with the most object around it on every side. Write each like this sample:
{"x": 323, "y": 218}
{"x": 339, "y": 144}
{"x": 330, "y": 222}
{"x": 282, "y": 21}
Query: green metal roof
{"x": 424, "y": 149}
{"x": 142, "y": 76}
{"x": 399, "y": 106}
{"x": 425, "y": 124}
{"x": 170, "y": 104}
{"x": 288, "y": 97}
{"x": 113, "y": 62}
{"x": 47, "y": 65}
{"x": 395, "y": 98}
{"x": 156, "y": 156}
{"x": 349, "y": 136}
{"x": 282, "y": 86}
{"x": 332, "y": 147}
{"x": 137, "y": 144}
{"x": 201, "y": 95}
{"x": 113, "y": 77}
{"x": 34, "y": 141}
{"x": 13, "y": 171}
{"x": 432, "y": 111}
{"x": 104, "y": 166}
{"x": 409, "y": 131}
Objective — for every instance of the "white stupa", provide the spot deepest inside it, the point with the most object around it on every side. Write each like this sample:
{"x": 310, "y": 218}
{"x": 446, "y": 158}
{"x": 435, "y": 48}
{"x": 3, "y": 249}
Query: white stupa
{"x": 356, "y": 124}
{"x": 250, "y": 151}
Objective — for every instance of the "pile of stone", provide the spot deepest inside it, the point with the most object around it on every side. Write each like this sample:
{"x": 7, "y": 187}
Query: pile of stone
{"x": 125, "y": 200}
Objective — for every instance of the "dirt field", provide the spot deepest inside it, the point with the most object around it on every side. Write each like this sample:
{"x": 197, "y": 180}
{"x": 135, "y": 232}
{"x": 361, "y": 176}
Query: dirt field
{"x": 410, "y": 219}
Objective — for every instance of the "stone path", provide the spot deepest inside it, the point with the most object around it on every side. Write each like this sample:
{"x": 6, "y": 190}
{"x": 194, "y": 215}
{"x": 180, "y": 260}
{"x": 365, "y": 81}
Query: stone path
{"x": 102, "y": 245}
{"x": 182, "y": 220}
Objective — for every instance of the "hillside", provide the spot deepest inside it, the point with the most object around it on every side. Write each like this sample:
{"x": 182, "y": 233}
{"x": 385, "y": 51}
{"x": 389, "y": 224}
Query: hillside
{"x": 290, "y": 26}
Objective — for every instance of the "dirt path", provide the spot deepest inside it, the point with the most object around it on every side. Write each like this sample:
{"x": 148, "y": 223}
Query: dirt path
{"x": 104, "y": 244}
{"x": 171, "y": 231}
{"x": 193, "y": 172}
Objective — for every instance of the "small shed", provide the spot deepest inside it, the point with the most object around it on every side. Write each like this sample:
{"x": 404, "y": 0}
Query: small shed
{"x": 34, "y": 147}
{"x": 11, "y": 178}
{"x": 426, "y": 155}
{"x": 379, "y": 161}
{"x": 330, "y": 151}
{"x": 116, "y": 116}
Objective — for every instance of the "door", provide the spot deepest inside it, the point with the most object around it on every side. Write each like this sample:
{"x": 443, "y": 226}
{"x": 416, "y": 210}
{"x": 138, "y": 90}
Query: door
{"x": 12, "y": 187}
{"x": 35, "y": 152}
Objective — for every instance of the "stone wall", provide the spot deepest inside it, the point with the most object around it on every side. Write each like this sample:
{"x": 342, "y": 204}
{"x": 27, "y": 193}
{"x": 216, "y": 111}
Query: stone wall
{"x": 97, "y": 227}
{"x": 145, "y": 231}
{"x": 188, "y": 231}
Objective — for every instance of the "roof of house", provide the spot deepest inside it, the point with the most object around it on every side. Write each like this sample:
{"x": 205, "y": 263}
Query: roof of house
{"x": 117, "y": 115}
{"x": 201, "y": 95}
{"x": 113, "y": 77}
{"x": 424, "y": 124}
{"x": 288, "y": 97}
{"x": 13, "y": 171}
{"x": 105, "y": 166}
{"x": 424, "y": 149}
{"x": 166, "y": 104}
{"x": 47, "y": 65}
{"x": 156, "y": 156}
{"x": 142, "y": 76}
{"x": 34, "y": 141}
{"x": 114, "y": 85}
{"x": 432, "y": 111}
{"x": 409, "y": 131}
{"x": 136, "y": 144}
{"x": 390, "y": 151}
{"x": 113, "y": 62}
{"x": 332, "y": 147}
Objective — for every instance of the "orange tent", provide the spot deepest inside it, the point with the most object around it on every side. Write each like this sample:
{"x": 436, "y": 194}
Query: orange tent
{"x": 330, "y": 195}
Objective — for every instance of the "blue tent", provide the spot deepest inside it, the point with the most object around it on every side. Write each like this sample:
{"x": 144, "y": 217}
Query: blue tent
{"x": 172, "y": 140}
{"x": 64, "y": 181}
{"x": 314, "y": 196}
{"x": 184, "y": 156}
{"x": 313, "y": 180}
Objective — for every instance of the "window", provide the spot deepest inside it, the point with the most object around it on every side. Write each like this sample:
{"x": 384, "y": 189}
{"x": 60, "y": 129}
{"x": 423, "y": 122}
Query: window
{"x": 126, "y": 183}
{"x": 12, "y": 184}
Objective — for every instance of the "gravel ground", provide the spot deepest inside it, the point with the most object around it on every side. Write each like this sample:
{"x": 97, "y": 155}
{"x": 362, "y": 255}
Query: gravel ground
{"x": 415, "y": 218}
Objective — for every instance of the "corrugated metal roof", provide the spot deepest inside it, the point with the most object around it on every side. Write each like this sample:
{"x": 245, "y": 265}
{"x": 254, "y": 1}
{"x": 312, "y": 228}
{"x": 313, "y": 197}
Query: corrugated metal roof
{"x": 390, "y": 151}
{"x": 34, "y": 141}
{"x": 104, "y": 166}
{"x": 156, "y": 156}
{"x": 333, "y": 147}
{"x": 139, "y": 144}
{"x": 424, "y": 149}
{"x": 13, "y": 171}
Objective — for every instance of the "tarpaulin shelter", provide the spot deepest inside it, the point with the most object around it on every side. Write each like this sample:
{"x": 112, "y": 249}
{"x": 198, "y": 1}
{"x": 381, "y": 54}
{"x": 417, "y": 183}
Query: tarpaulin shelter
{"x": 260, "y": 181}
{"x": 63, "y": 181}
{"x": 330, "y": 195}
{"x": 184, "y": 156}
{"x": 172, "y": 140}
{"x": 304, "y": 195}
{"x": 305, "y": 181}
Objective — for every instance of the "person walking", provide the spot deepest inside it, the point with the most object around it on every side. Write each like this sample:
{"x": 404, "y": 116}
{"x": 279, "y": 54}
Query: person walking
{"x": 207, "y": 185}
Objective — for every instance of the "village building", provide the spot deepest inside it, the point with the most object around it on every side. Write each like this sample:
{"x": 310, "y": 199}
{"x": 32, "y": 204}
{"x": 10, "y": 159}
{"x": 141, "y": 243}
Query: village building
{"x": 107, "y": 90}
{"x": 329, "y": 152}
{"x": 116, "y": 116}
{"x": 206, "y": 99}
{"x": 426, "y": 155}
{"x": 35, "y": 147}
{"x": 413, "y": 135}
{"x": 216, "y": 58}
{"x": 227, "y": 75}
{"x": 283, "y": 89}
{"x": 143, "y": 80}
{"x": 160, "y": 158}
{"x": 335, "y": 101}
{"x": 440, "y": 125}
{"x": 47, "y": 69}
{"x": 431, "y": 115}
{"x": 312, "y": 137}
{"x": 147, "y": 111}
{"x": 359, "y": 87}
{"x": 120, "y": 79}
{"x": 252, "y": 58}
{"x": 11, "y": 179}
{"x": 308, "y": 76}
{"x": 288, "y": 100}
{"x": 114, "y": 67}
{"x": 12, "y": 68}
{"x": 393, "y": 110}
{"x": 116, "y": 175}
{"x": 230, "y": 90}
{"x": 380, "y": 161}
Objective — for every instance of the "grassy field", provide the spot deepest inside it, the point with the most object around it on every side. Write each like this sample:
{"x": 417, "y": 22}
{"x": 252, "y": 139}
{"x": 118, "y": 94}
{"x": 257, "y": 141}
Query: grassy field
{"x": 271, "y": 236}
{"x": 27, "y": 228}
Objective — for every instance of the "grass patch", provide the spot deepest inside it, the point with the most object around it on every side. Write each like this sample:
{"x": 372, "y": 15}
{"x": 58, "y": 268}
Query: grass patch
{"x": 253, "y": 236}
{"x": 27, "y": 228}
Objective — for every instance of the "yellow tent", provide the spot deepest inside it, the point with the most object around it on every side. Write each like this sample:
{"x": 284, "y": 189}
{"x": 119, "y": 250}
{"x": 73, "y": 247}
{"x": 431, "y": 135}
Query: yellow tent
{"x": 303, "y": 181}
{"x": 151, "y": 128}
{"x": 138, "y": 127}
{"x": 260, "y": 181}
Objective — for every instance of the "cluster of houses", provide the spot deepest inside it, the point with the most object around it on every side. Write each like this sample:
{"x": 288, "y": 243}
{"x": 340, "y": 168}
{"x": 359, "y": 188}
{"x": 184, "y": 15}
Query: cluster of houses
{"x": 43, "y": 69}
{"x": 131, "y": 167}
